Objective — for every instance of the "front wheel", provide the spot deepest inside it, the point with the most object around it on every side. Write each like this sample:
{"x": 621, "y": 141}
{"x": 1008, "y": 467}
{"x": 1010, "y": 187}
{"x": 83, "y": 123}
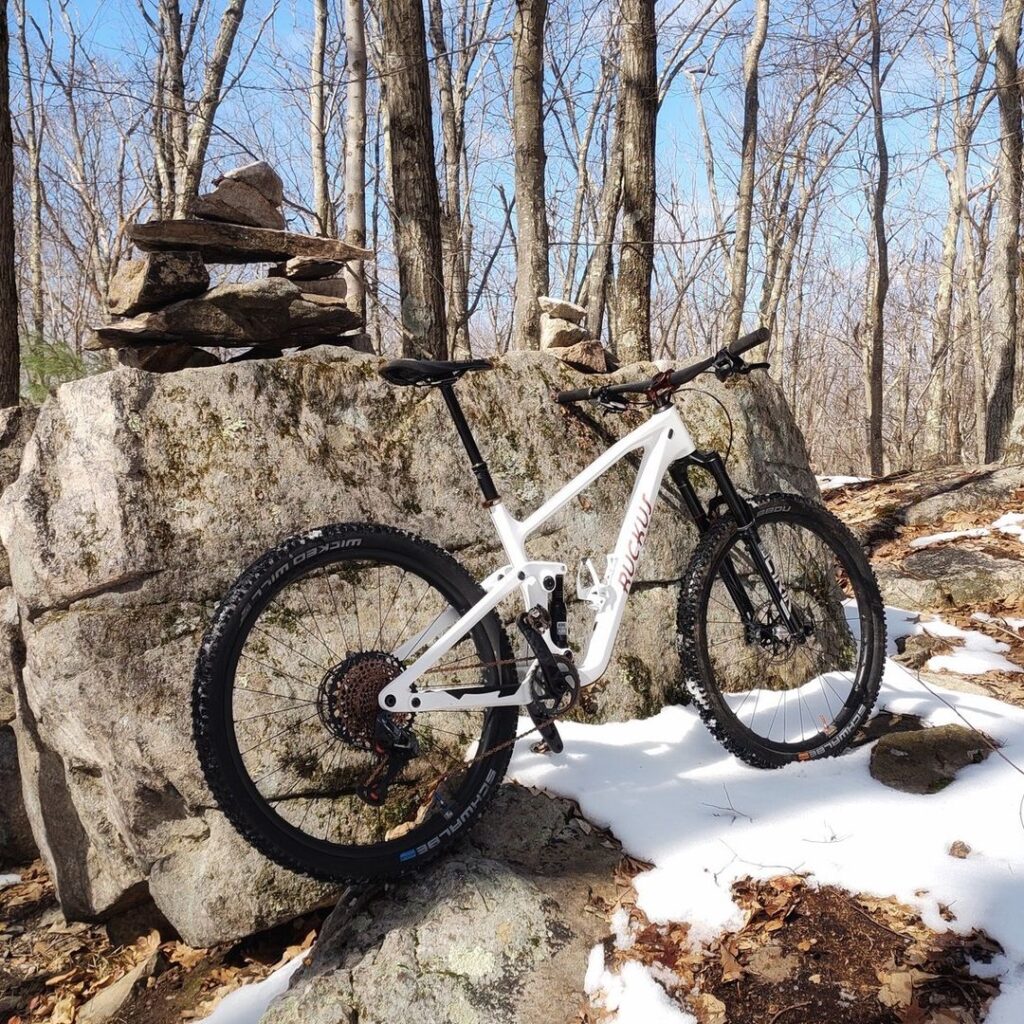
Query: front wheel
{"x": 791, "y": 680}
{"x": 287, "y": 724}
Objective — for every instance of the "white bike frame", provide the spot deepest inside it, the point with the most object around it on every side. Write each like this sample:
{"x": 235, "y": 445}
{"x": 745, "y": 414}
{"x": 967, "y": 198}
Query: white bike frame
{"x": 664, "y": 439}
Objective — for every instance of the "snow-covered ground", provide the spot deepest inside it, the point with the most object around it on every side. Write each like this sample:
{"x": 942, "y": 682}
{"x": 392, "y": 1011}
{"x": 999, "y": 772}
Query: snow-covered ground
{"x": 673, "y": 796}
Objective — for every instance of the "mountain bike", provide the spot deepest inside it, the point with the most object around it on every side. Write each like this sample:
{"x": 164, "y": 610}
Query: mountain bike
{"x": 356, "y": 697}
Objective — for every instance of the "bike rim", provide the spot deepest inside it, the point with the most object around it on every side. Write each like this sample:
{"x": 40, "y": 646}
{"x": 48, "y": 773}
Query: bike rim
{"x": 790, "y": 698}
{"x": 301, "y": 765}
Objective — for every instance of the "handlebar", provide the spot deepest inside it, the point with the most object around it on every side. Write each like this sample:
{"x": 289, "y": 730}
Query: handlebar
{"x": 726, "y": 360}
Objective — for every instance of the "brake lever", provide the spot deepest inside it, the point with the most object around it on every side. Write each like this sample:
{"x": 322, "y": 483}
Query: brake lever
{"x": 748, "y": 367}
{"x": 609, "y": 403}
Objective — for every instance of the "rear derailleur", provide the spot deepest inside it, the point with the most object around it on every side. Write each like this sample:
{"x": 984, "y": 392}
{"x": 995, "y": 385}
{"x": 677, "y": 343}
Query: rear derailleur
{"x": 396, "y": 745}
{"x": 554, "y": 681}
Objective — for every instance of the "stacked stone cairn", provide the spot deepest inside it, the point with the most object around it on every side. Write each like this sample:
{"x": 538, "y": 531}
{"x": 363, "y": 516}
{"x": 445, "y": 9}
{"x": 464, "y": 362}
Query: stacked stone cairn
{"x": 562, "y": 332}
{"x": 165, "y": 315}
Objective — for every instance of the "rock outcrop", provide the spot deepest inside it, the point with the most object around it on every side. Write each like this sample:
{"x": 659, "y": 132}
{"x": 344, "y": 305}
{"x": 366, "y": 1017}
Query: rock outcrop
{"x": 142, "y": 497}
{"x": 16, "y": 843}
{"x": 497, "y": 933}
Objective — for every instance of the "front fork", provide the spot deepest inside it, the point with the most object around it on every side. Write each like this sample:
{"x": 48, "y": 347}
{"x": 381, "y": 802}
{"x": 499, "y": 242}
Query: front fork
{"x": 713, "y": 463}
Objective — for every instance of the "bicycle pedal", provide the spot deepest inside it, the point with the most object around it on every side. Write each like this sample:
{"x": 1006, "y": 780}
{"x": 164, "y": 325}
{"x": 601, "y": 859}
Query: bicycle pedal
{"x": 550, "y": 736}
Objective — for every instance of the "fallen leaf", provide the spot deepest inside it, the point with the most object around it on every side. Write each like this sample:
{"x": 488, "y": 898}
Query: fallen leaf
{"x": 897, "y": 987}
{"x": 185, "y": 956}
{"x": 732, "y": 969}
{"x": 709, "y": 1009}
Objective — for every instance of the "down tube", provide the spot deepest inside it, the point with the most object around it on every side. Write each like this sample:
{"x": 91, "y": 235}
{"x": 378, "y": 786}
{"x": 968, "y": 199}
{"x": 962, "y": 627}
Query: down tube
{"x": 621, "y": 573}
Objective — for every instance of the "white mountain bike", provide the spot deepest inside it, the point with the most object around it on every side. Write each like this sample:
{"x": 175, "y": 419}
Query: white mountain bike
{"x": 356, "y": 697}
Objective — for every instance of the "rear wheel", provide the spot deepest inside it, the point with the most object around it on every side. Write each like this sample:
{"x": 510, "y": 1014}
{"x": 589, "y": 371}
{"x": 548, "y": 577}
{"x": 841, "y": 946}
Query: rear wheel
{"x": 770, "y": 693}
{"x": 286, "y": 718}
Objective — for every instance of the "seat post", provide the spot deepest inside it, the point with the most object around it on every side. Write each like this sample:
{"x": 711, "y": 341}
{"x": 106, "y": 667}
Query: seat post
{"x": 476, "y": 460}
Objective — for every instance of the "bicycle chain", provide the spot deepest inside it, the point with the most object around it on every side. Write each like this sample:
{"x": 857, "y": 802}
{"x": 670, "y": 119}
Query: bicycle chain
{"x": 536, "y": 727}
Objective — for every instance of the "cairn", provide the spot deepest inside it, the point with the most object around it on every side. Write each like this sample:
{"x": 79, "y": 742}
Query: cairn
{"x": 165, "y": 314}
{"x": 563, "y": 334}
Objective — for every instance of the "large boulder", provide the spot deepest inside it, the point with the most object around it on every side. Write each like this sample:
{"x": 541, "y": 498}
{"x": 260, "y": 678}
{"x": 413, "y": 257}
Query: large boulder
{"x": 16, "y": 843}
{"x": 142, "y": 497}
{"x": 497, "y": 933}
{"x": 1013, "y": 453}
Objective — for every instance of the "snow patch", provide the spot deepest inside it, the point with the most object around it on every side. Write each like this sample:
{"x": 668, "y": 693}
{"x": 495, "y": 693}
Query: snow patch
{"x": 632, "y": 995}
{"x": 7, "y": 880}
{"x": 941, "y": 538}
{"x": 830, "y": 483}
{"x": 246, "y": 1005}
{"x": 660, "y": 785}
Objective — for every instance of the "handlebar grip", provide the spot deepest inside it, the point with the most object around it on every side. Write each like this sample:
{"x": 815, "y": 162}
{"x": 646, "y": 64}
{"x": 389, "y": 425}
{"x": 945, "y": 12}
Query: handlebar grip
{"x": 749, "y": 341}
{"x": 579, "y": 395}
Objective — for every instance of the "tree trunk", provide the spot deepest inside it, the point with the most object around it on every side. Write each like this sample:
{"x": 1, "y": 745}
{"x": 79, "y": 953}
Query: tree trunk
{"x": 452, "y": 128}
{"x": 599, "y": 272}
{"x": 875, "y": 342}
{"x": 33, "y": 135}
{"x": 416, "y": 210}
{"x": 530, "y": 160}
{"x": 355, "y": 149}
{"x": 188, "y": 181}
{"x": 10, "y": 370}
{"x": 322, "y": 205}
{"x": 745, "y": 190}
{"x": 1005, "y": 264}
{"x": 639, "y": 114}
{"x": 936, "y": 395}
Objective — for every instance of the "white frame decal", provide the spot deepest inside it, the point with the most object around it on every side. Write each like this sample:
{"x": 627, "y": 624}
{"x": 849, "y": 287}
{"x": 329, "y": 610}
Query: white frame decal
{"x": 664, "y": 439}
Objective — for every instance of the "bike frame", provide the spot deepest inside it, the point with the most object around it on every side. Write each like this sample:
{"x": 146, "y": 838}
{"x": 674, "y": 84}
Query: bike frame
{"x": 664, "y": 440}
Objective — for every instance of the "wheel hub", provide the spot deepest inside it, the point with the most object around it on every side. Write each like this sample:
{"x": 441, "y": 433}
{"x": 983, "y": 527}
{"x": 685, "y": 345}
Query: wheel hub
{"x": 347, "y": 700}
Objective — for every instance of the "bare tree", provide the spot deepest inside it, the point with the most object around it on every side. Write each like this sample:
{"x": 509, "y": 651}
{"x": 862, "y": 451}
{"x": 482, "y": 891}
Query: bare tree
{"x": 745, "y": 190}
{"x": 9, "y": 353}
{"x": 639, "y": 101}
{"x": 874, "y": 342}
{"x": 530, "y": 162}
{"x": 968, "y": 106}
{"x": 1006, "y": 261}
{"x": 32, "y": 139}
{"x": 323, "y": 207}
{"x": 355, "y": 148}
{"x": 415, "y": 206}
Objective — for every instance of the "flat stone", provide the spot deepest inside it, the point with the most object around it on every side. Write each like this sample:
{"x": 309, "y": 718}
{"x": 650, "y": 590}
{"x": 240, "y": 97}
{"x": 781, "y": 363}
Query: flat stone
{"x": 557, "y": 333}
{"x": 156, "y": 279}
{"x": 303, "y": 268}
{"x": 260, "y": 176}
{"x": 238, "y": 203}
{"x": 589, "y": 356}
{"x": 335, "y": 287}
{"x": 978, "y": 489}
{"x": 236, "y": 243}
{"x": 928, "y": 760}
{"x": 268, "y": 311}
{"x": 562, "y": 309}
{"x": 933, "y": 578}
{"x": 166, "y": 358}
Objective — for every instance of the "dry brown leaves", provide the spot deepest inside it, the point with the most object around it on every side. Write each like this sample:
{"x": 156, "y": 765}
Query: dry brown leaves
{"x": 50, "y": 969}
{"x": 806, "y": 955}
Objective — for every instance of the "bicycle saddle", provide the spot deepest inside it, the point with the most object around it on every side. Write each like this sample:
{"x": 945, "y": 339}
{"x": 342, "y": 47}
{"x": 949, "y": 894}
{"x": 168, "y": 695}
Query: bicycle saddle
{"x": 428, "y": 372}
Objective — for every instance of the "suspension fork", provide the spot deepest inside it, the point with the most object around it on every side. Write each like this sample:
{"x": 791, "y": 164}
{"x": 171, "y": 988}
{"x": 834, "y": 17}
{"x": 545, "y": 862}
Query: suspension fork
{"x": 744, "y": 516}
